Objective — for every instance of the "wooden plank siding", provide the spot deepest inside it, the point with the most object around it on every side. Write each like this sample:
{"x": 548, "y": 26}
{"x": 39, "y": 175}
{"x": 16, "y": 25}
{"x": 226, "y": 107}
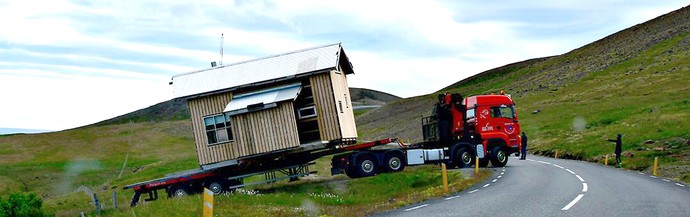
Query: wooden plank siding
{"x": 326, "y": 110}
{"x": 341, "y": 93}
{"x": 267, "y": 130}
{"x": 254, "y": 133}
{"x": 200, "y": 108}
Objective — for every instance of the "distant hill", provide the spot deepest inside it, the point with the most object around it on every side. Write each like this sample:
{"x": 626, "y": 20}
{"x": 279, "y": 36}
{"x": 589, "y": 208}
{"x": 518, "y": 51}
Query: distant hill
{"x": 176, "y": 109}
{"x": 6, "y": 131}
{"x": 634, "y": 82}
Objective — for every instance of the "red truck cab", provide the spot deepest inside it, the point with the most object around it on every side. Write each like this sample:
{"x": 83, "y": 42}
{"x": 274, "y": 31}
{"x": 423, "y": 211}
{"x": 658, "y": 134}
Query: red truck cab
{"x": 494, "y": 118}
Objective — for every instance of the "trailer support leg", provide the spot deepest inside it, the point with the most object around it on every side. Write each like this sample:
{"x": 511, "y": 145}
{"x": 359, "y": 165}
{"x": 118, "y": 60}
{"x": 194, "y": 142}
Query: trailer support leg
{"x": 153, "y": 195}
{"x": 135, "y": 199}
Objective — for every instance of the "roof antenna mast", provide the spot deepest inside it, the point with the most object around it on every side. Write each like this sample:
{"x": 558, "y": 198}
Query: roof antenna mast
{"x": 221, "y": 50}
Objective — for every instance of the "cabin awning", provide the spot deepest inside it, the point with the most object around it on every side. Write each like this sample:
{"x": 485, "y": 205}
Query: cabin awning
{"x": 262, "y": 99}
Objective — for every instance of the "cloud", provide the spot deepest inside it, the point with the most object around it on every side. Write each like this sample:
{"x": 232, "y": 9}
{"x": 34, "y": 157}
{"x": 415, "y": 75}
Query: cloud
{"x": 69, "y": 63}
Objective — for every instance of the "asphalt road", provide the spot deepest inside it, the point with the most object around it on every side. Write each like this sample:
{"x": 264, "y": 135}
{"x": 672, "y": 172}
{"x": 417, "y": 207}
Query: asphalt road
{"x": 554, "y": 187}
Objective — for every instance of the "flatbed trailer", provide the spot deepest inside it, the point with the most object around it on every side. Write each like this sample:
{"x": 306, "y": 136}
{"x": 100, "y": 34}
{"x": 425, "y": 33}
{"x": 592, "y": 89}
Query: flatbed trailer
{"x": 225, "y": 178}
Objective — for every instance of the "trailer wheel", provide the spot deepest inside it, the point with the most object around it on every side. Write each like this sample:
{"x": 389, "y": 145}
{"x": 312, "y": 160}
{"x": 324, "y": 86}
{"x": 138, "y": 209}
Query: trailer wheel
{"x": 178, "y": 191}
{"x": 217, "y": 186}
{"x": 394, "y": 162}
{"x": 463, "y": 158}
{"x": 499, "y": 158}
{"x": 365, "y": 165}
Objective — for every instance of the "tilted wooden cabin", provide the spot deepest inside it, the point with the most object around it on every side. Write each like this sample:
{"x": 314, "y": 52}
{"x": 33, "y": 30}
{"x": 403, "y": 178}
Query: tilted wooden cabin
{"x": 281, "y": 103}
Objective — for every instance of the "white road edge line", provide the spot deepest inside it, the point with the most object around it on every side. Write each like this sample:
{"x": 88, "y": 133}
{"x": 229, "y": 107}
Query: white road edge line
{"x": 494, "y": 180}
{"x": 666, "y": 180}
{"x": 499, "y": 177}
{"x": 653, "y": 176}
{"x": 544, "y": 162}
{"x": 584, "y": 187}
{"x": 453, "y": 197}
{"x": 559, "y": 166}
{"x": 578, "y": 176}
{"x": 530, "y": 160}
{"x": 487, "y": 185}
{"x": 570, "y": 171}
{"x": 641, "y": 173}
{"x": 572, "y": 203}
{"x": 681, "y": 185}
{"x": 502, "y": 173}
{"x": 416, "y": 207}
{"x": 475, "y": 190}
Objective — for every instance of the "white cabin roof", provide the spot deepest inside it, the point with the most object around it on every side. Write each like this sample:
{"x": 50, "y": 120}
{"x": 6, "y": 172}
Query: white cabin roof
{"x": 279, "y": 67}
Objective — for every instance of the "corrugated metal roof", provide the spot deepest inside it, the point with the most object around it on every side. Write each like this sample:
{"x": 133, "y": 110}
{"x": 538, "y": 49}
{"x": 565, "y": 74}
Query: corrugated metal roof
{"x": 259, "y": 70}
{"x": 272, "y": 95}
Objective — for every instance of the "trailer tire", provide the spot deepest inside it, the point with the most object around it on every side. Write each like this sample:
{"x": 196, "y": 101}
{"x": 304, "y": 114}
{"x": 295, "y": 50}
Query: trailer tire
{"x": 217, "y": 186}
{"x": 462, "y": 158}
{"x": 365, "y": 165}
{"x": 499, "y": 157}
{"x": 178, "y": 191}
{"x": 394, "y": 162}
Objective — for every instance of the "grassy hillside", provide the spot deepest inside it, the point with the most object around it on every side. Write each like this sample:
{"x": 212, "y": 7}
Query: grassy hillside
{"x": 634, "y": 82}
{"x": 176, "y": 109}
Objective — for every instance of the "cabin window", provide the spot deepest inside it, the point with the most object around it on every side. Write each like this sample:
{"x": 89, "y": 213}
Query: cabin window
{"x": 307, "y": 112}
{"x": 218, "y": 129}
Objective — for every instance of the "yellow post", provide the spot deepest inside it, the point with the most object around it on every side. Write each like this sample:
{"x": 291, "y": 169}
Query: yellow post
{"x": 208, "y": 203}
{"x": 444, "y": 173}
{"x": 656, "y": 165}
{"x": 606, "y": 160}
{"x": 556, "y": 154}
{"x": 476, "y": 166}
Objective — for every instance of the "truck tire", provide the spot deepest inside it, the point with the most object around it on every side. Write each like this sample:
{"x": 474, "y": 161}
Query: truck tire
{"x": 483, "y": 162}
{"x": 365, "y": 165}
{"x": 350, "y": 172}
{"x": 499, "y": 158}
{"x": 393, "y": 162}
{"x": 462, "y": 158}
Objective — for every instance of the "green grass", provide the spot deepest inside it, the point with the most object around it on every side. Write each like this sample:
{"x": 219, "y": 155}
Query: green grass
{"x": 59, "y": 166}
{"x": 338, "y": 197}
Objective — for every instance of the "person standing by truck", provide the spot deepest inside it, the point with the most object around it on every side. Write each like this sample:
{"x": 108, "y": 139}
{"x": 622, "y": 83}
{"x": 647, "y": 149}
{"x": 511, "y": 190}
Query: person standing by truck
{"x": 619, "y": 143}
{"x": 523, "y": 138}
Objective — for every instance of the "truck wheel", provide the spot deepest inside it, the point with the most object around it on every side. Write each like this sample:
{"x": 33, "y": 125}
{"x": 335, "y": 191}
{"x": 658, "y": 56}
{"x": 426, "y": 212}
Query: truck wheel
{"x": 463, "y": 158}
{"x": 499, "y": 158}
{"x": 365, "y": 165}
{"x": 350, "y": 172}
{"x": 217, "y": 186}
{"x": 483, "y": 162}
{"x": 394, "y": 162}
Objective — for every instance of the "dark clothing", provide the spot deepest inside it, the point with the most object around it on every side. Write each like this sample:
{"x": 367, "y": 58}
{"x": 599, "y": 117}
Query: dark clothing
{"x": 524, "y": 146}
{"x": 619, "y": 149}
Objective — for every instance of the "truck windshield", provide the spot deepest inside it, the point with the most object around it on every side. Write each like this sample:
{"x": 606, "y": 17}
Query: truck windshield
{"x": 503, "y": 112}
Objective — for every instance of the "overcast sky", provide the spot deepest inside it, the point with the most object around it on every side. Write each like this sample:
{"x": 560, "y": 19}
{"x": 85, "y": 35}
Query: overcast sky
{"x": 65, "y": 64}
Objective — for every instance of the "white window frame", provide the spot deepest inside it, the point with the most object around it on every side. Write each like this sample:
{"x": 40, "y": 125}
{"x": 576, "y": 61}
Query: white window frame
{"x": 225, "y": 128}
{"x": 299, "y": 112}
